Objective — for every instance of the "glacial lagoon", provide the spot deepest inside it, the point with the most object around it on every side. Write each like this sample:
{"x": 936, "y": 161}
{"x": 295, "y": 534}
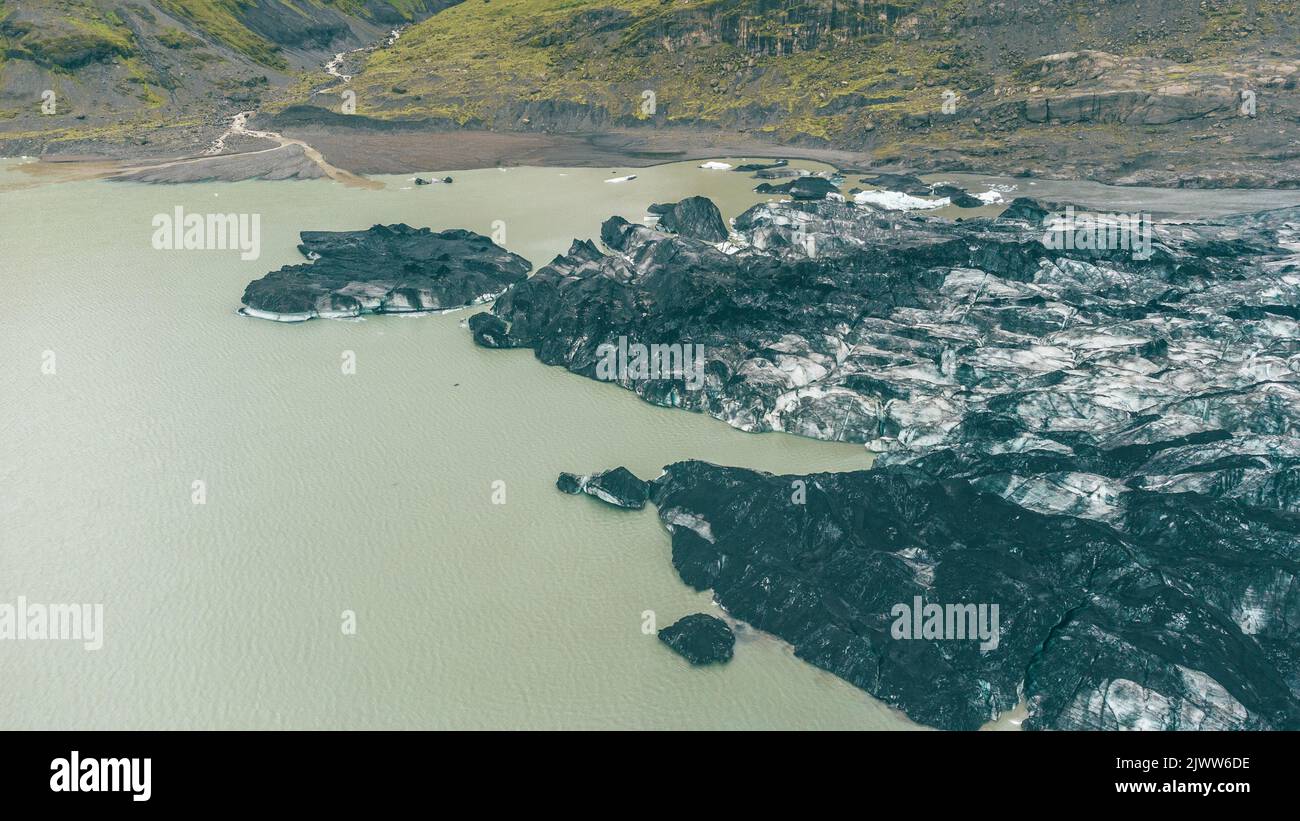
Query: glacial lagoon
{"x": 327, "y": 492}
{"x": 134, "y": 391}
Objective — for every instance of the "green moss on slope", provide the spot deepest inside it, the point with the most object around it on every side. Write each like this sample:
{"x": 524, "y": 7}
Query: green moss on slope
{"x": 67, "y": 42}
{"x": 817, "y": 69}
{"x": 220, "y": 19}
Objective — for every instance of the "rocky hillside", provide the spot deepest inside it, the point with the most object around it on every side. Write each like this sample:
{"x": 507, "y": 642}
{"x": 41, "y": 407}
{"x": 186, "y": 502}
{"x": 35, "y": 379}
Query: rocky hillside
{"x": 939, "y": 83}
{"x": 1168, "y": 92}
{"x": 72, "y": 70}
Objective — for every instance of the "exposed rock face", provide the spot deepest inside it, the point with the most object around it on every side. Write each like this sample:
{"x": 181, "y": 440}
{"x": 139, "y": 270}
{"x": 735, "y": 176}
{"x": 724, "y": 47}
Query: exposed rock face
{"x": 618, "y": 487}
{"x": 695, "y": 217}
{"x": 1127, "y": 107}
{"x": 386, "y": 269}
{"x": 1011, "y": 87}
{"x": 700, "y": 639}
{"x": 1100, "y": 440}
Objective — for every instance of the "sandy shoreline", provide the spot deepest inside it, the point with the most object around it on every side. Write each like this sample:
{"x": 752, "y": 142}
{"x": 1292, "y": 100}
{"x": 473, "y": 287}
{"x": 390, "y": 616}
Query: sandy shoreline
{"x": 310, "y": 150}
{"x": 399, "y": 152}
{"x": 412, "y": 150}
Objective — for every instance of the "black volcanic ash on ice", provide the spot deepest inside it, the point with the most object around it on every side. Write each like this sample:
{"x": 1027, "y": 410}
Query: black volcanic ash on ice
{"x": 386, "y": 269}
{"x": 1103, "y": 445}
{"x": 700, "y": 639}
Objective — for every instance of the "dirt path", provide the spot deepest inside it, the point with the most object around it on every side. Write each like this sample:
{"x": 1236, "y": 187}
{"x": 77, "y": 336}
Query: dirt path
{"x": 239, "y": 128}
{"x": 230, "y": 166}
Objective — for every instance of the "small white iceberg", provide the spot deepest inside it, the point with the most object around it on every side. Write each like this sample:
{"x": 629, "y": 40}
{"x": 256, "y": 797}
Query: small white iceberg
{"x": 622, "y": 179}
{"x": 276, "y": 317}
{"x": 990, "y": 197}
{"x": 714, "y": 165}
{"x": 897, "y": 201}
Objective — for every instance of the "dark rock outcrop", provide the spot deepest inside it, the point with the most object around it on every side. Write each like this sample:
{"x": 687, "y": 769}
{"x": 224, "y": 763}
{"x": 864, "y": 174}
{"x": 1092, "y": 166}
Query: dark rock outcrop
{"x": 906, "y": 183}
{"x": 618, "y": 487}
{"x": 386, "y": 269}
{"x": 1098, "y": 437}
{"x": 700, "y": 639}
{"x": 956, "y": 195}
{"x": 779, "y": 172}
{"x": 803, "y": 188}
{"x": 755, "y": 167}
{"x": 1130, "y": 625}
{"x": 1138, "y": 107}
{"x": 1024, "y": 209}
{"x": 695, "y": 217}
{"x": 570, "y": 483}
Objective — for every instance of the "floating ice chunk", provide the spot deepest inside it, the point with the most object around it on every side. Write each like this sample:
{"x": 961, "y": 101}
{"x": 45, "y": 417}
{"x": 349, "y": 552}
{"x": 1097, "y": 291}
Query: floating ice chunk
{"x": 628, "y": 178}
{"x": 714, "y": 165}
{"x": 276, "y": 317}
{"x": 898, "y": 201}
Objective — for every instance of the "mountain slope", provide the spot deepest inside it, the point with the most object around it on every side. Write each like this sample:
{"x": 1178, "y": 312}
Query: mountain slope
{"x": 1162, "y": 92}
{"x": 952, "y": 80}
{"x": 117, "y": 68}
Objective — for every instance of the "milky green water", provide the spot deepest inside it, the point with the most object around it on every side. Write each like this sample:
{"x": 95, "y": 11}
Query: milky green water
{"x": 328, "y": 492}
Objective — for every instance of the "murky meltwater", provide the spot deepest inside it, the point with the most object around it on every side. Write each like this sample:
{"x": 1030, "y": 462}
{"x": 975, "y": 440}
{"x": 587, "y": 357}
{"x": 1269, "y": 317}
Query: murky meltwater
{"x": 332, "y": 498}
{"x": 325, "y": 492}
